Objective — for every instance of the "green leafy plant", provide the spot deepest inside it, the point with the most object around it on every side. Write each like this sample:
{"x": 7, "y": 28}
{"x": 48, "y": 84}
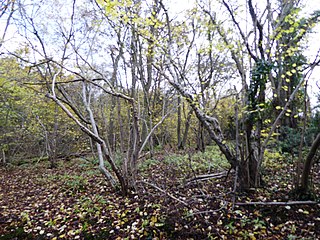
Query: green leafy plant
{"x": 74, "y": 183}
{"x": 146, "y": 164}
{"x": 230, "y": 227}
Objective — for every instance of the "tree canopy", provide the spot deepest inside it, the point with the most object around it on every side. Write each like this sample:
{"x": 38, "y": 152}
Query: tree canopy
{"x": 120, "y": 82}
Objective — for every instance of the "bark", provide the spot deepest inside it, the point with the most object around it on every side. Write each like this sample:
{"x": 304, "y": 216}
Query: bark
{"x": 208, "y": 176}
{"x": 201, "y": 146}
{"x": 211, "y": 126}
{"x": 120, "y": 126}
{"x": 111, "y": 134}
{"x": 179, "y": 123}
{"x": 53, "y": 152}
{"x": 186, "y": 131}
{"x": 95, "y": 138}
{"x": 4, "y": 161}
{"x": 308, "y": 164}
{"x": 114, "y": 80}
{"x": 102, "y": 168}
{"x": 290, "y": 203}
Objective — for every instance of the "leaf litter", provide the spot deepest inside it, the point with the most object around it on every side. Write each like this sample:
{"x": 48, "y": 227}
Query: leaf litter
{"x": 74, "y": 202}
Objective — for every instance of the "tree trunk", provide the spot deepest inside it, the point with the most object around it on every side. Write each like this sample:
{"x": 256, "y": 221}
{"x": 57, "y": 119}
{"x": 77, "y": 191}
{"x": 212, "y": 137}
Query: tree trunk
{"x": 53, "y": 152}
{"x": 210, "y": 124}
{"x": 308, "y": 164}
{"x": 102, "y": 168}
{"x": 186, "y": 131}
{"x": 200, "y": 138}
{"x": 121, "y": 127}
{"x": 249, "y": 172}
{"x": 179, "y": 123}
{"x": 4, "y": 161}
{"x": 111, "y": 132}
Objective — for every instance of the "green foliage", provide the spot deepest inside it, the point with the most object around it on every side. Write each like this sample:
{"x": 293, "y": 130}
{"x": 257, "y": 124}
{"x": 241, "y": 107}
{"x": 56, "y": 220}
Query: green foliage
{"x": 207, "y": 161}
{"x": 87, "y": 164}
{"x": 230, "y": 227}
{"x": 17, "y": 233}
{"x": 27, "y": 118}
{"x": 211, "y": 159}
{"x": 314, "y": 126}
{"x": 273, "y": 159}
{"x": 25, "y": 217}
{"x": 259, "y": 76}
{"x": 225, "y": 112}
{"x": 290, "y": 60}
{"x": 290, "y": 138}
{"x": 73, "y": 183}
{"x": 147, "y": 164}
{"x": 89, "y": 206}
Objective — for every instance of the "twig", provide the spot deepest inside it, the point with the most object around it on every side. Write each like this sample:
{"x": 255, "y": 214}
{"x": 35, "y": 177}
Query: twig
{"x": 277, "y": 203}
{"x": 145, "y": 155}
{"x": 206, "y": 212}
{"x": 163, "y": 191}
{"x": 237, "y": 152}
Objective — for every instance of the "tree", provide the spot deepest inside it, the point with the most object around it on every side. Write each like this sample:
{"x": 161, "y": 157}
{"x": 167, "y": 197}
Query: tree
{"x": 305, "y": 184}
{"x": 28, "y": 119}
{"x": 252, "y": 55}
{"x": 119, "y": 68}
{"x": 267, "y": 67}
{"x": 6, "y": 11}
{"x": 66, "y": 61}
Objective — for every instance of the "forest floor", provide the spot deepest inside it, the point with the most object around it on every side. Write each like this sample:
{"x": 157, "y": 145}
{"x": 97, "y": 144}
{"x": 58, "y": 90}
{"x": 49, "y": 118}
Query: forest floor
{"x": 74, "y": 202}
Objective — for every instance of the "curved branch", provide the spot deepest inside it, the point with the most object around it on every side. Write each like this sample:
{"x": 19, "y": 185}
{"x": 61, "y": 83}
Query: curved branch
{"x": 244, "y": 38}
{"x": 259, "y": 26}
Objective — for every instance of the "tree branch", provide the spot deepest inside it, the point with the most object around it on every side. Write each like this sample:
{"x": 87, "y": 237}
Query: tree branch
{"x": 290, "y": 203}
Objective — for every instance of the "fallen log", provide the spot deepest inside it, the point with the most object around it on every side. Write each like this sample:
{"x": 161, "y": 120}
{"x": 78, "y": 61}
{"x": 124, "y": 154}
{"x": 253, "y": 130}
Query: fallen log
{"x": 277, "y": 203}
{"x": 208, "y": 176}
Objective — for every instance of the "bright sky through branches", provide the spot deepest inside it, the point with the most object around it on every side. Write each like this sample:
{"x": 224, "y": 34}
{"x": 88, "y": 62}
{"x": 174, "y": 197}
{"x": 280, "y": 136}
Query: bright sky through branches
{"x": 177, "y": 7}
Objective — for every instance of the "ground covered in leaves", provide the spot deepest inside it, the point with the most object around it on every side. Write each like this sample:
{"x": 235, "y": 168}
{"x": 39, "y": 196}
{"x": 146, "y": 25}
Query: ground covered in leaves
{"x": 74, "y": 202}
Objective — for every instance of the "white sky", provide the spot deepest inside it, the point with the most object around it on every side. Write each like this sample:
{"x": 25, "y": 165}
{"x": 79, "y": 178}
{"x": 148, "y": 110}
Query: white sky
{"x": 13, "y": 40}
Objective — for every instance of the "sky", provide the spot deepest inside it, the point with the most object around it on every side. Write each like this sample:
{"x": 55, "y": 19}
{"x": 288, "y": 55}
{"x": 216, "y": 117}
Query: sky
{"x": 313, "y": 40}
{"x": 177, "y": 6}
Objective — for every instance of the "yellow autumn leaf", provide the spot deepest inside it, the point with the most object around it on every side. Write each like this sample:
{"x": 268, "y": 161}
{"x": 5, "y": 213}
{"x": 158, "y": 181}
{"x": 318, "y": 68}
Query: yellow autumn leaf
{"x": 153, "y": 219}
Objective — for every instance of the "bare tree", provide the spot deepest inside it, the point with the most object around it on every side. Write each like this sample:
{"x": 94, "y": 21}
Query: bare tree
{"x": 66, "y": 56}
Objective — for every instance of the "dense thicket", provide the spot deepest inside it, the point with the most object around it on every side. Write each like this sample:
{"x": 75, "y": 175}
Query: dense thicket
{"x": 125, "y": 78}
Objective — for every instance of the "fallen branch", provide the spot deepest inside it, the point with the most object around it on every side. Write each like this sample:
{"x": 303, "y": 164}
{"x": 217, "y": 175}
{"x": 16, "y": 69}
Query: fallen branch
{"x": 163, "y": 191}
{"x": 145, "y": 155}
{"x": 277, "y": 203}
{"x": 205, "y": 212}
{"x": 208, "y": 176}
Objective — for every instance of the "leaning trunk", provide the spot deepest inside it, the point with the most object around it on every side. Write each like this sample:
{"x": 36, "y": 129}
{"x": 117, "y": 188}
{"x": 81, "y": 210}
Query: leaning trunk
{"x": 307, "y": 165}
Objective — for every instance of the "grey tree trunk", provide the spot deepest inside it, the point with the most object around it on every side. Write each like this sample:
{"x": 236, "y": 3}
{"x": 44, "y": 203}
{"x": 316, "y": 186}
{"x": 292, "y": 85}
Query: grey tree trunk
{"x": 104, "y": 171}
{"x": 305, "y": 179}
